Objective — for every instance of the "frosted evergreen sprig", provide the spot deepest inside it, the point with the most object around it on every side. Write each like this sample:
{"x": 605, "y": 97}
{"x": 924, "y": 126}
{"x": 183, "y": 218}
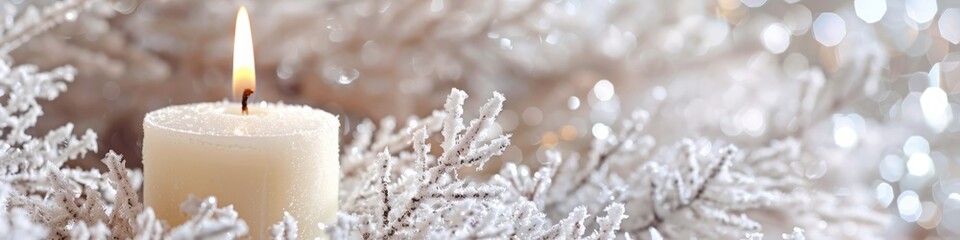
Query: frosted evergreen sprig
{"x": 147, "y": 226}
{"x": 44, "y": 199}
{"x": 462, "y": 153}
{"x": 127, "y": 204}
{"x": 17, "y": 222}
{"x": 362, "y": 151}
{"x": 286, "y": 229}
{"x": 207, "y": 221}
{"x": 427, "y": 199}
{"x": 26, "y": 161}
{"x": 34, "y": 21}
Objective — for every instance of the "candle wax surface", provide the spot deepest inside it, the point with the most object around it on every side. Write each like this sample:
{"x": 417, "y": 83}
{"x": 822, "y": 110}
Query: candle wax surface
{"x": 277, "y": 158}
{"x": 226, "y": 119}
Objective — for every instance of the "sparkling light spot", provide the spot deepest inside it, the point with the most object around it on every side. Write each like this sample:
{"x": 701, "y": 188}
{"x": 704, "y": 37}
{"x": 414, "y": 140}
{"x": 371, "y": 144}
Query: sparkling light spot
{"x": 936, "y": 109}
{"x": 341, "y": 75}
{"x": 954, "y": 196}
{"x": 337, "y": 34}
{"x": 845, "y": 136}
{"x": 908, "y": 204}
{"x": 845, "y": 131}
{"x": 949, "y": 25}
{"x": 933, "y": 101}
{"x": 921, "y": 11}
{"x": 829, "y": 29}
{"x": 659, "y": 93}
{"x": 870, "y": 11}
{"x": 655, "y": 234}
{"x": 776, "y": 38}
{"x": 616, "y": 43}
{"x": 931, "y": 215}
{"x": 285, "y": 71}
{"x": 573, "y": 103}
{"x": 798, "y": 18}
{"x": 600, "y": 131}
{"x": 70, "y": 16}
{"x": 916, "y": 145}
{"x": 603, "y": 90}
{"x": 436, "y": 5}
{"x": 920, "y": 164}
{"x": 933, "y": 77}
{"x": 885, "y": 194}
{"x": 891, "y": 168}
{"x": 552, "y": 38}
{"x": 506, "y": 44}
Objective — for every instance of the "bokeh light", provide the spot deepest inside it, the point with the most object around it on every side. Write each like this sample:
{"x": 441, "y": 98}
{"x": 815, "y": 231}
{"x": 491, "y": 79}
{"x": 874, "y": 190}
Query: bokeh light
{"x": 949, "y": 25}
{"x": 936, "y": 109}
{"x": 908, "y": 204}
{"x": 870, "y": 11}
{"x": 920, "y": 164}
{"x": 921, "y": 11}
{"x": 573, "y": 103}
{"x": 829, "y": 29}
{"x": 603, "y": 90}
{"x": 776, "y": 38}
{"x": 891, "y": 168}
{"x": 884, "y": 194}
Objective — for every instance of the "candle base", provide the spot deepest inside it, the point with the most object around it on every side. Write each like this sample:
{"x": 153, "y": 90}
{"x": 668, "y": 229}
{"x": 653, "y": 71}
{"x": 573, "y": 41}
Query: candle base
{"x": 261, "y": 169}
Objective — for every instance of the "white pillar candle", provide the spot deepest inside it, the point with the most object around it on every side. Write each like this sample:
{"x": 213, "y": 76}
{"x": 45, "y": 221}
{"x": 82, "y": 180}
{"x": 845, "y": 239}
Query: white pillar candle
{"x": 270, "y": 159}
{"x": 276, "y": 158}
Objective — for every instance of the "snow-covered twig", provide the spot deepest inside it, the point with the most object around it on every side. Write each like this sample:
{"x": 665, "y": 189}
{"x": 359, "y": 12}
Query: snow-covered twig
{"x": 285, "y": 229}
{"x": 208, "y": 221}
{"x": 34, "y": 21}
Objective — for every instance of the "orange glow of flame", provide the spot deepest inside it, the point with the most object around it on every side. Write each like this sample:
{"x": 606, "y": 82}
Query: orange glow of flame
{"x": 244, "y": 76}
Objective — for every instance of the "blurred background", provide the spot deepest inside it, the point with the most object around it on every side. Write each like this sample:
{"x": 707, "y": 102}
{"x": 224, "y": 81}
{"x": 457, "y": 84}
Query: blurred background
{"x": 869, "y": 87}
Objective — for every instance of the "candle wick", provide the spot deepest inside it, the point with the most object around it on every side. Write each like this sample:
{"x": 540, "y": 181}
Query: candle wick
{"x": 243, "y": 102}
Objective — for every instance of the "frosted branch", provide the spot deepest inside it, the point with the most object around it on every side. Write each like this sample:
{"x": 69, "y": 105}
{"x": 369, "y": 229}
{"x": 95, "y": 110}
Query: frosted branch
{"x": 285, "y": 229}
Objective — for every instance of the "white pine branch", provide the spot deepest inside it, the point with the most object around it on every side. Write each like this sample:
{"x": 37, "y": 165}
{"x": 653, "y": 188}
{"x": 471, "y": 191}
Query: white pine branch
{"x": 207, "y": 221}
{"x": 286, "y": 229}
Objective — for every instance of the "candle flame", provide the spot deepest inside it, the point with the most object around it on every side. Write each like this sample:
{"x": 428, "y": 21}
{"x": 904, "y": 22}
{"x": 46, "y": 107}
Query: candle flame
{"x": 244, "y": 76}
